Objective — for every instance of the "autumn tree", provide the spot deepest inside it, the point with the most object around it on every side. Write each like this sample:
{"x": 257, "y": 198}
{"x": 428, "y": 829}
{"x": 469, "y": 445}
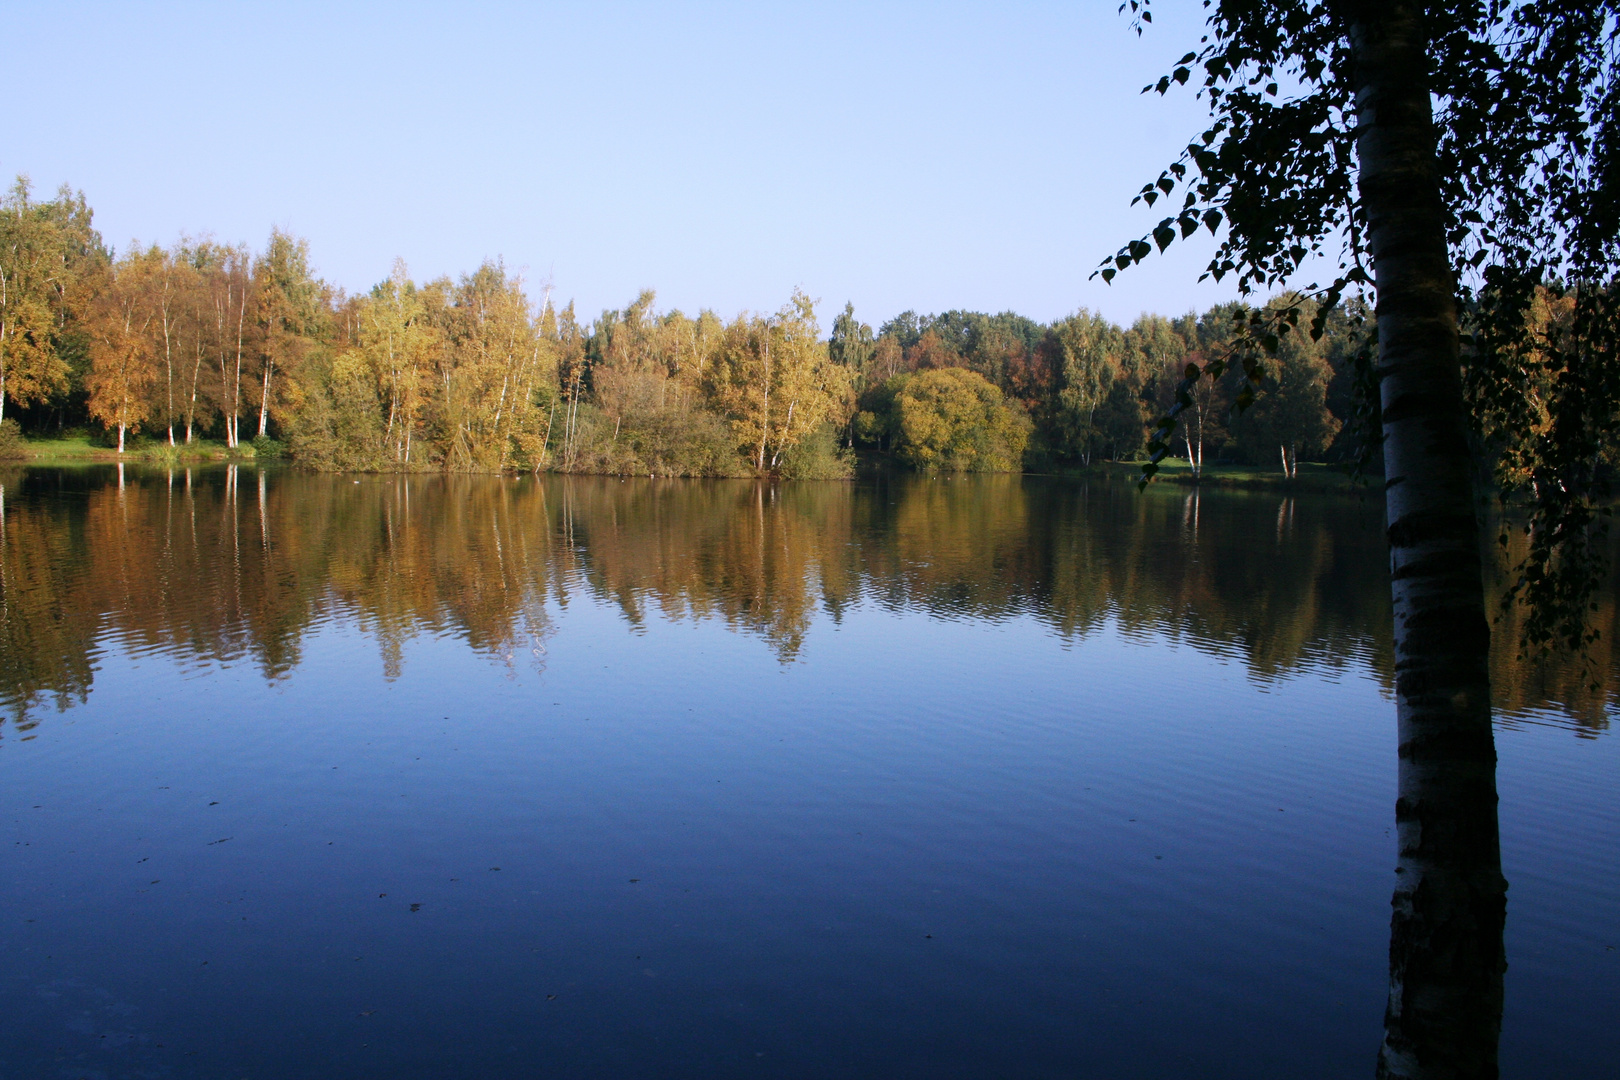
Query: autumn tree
{"x": 630, "y": 371}
{"x": 228, "y": 283}
{"x": 124, "y": 365}
{"x": 196, "y": 261}
{"x": 400, "y": 347}
{"x": 774, "y": 381}
{"x": 489, "y": 373}
{"x": 169, "y": 282}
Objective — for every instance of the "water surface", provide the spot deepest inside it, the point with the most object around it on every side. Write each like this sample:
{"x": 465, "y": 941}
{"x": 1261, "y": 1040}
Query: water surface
{"x": 1003, "y": 777}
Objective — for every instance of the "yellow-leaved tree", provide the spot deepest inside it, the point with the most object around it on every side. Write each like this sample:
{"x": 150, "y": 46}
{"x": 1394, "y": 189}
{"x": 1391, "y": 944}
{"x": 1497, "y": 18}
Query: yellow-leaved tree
{"x": 401, "y": 348}
{"x": 488, "y": 377}
{"x": 123, "y": 362}
{"x": 774, "y": 381}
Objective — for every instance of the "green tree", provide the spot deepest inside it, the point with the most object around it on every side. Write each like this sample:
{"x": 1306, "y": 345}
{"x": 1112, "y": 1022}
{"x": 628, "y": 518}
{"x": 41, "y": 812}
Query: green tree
{"x": 1120, "y": 422}
{"x": 44, "y": 248}
{"x": 290, "y": 309}
{"x": 1090, "y": 349}
{"x": 1291, "y": 412}
{"x": 1453, "y": 147}
{"x": 852, "y": 343}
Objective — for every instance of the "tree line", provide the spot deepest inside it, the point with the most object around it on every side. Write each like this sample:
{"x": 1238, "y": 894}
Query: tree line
{"x": 204, "y": 340}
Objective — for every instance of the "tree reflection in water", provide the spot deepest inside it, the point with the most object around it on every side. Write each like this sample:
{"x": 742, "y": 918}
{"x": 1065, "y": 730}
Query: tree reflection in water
{"x": 225, "y": 565}
{"x": 220, "y": 565}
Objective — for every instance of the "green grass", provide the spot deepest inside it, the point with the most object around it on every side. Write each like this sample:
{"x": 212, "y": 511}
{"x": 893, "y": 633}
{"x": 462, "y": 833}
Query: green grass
{"x": 82, "y": 450}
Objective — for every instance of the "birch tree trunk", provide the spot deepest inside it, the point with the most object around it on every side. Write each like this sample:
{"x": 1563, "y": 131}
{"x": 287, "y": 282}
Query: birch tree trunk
{"x": 264, "y": 399}
{"x": 168, "y": 362}
{"x": 1445, "y": 957}
{"x": 765, "y": 408}
{"x": 236, "y": 387}
{"x": 191, "y": 406}
{"x": 5, "y": 325}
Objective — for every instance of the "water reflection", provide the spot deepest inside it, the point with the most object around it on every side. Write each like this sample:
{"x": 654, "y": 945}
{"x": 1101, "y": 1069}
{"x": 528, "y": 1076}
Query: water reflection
{"x": 223, "y": 565}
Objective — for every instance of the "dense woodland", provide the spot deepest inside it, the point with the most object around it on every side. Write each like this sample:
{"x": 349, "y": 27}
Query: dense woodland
{"x": 209, "y": 341}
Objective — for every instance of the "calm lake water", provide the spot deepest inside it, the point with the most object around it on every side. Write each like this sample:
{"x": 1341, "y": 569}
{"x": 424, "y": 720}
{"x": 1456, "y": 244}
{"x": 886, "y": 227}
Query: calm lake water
{"x": 315, "y": 777}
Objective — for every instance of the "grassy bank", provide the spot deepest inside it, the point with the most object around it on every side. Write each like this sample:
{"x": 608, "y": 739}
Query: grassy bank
{"x": 1312, "y": 477}
{"x": 82, "y": 450}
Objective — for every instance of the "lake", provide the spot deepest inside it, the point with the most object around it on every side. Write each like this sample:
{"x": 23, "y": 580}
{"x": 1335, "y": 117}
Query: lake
{"x": 324, "y": 776}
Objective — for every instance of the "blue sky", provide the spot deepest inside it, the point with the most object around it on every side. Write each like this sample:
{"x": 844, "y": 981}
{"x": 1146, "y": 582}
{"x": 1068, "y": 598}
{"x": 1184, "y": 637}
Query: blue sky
{"x": 896, "y": 155}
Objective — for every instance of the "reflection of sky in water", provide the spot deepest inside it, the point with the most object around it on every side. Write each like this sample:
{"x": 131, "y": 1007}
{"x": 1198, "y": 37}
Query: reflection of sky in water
{"x": 809, "y": 798}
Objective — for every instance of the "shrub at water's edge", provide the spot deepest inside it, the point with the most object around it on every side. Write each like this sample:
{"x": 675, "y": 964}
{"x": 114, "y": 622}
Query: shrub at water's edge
{"x": 955, "y": 420}
{"x": 818, "y": 457}
{"x": 12, "y": 445}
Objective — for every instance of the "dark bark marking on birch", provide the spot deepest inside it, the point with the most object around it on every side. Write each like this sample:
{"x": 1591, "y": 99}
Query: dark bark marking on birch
{"x": 1419, "y": 528}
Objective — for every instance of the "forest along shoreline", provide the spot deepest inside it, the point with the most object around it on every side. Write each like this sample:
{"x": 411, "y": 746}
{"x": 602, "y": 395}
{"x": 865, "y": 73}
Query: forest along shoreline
{"x": 205, "y": 351}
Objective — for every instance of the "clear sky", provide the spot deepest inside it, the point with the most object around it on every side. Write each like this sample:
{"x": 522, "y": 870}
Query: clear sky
{"x": 923, "y": 156}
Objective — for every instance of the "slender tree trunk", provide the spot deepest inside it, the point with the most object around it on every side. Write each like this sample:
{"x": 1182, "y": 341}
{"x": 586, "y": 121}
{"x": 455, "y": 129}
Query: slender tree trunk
{"x": 264, "y": 400}
{"x": 1445, "y": 956}
{"x": 236, "y": 387}
{"x": 191, "y": 406}
{"x": 545, "y": 443}
{"x": 224, "y": 394}
{"x": 168, "y": 365}
{"x": 765, "y": 411}
{"x": 5, "y": 325}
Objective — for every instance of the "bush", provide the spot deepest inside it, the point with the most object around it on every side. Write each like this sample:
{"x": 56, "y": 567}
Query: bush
{"x": 162, "y": 454}
{"x": 661, "y": 442}
{"x": 267, "y": 449}
{"x": 956, "y": 420}
{"x": 818, "y": 456}
{"x": 13, "y": 447}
